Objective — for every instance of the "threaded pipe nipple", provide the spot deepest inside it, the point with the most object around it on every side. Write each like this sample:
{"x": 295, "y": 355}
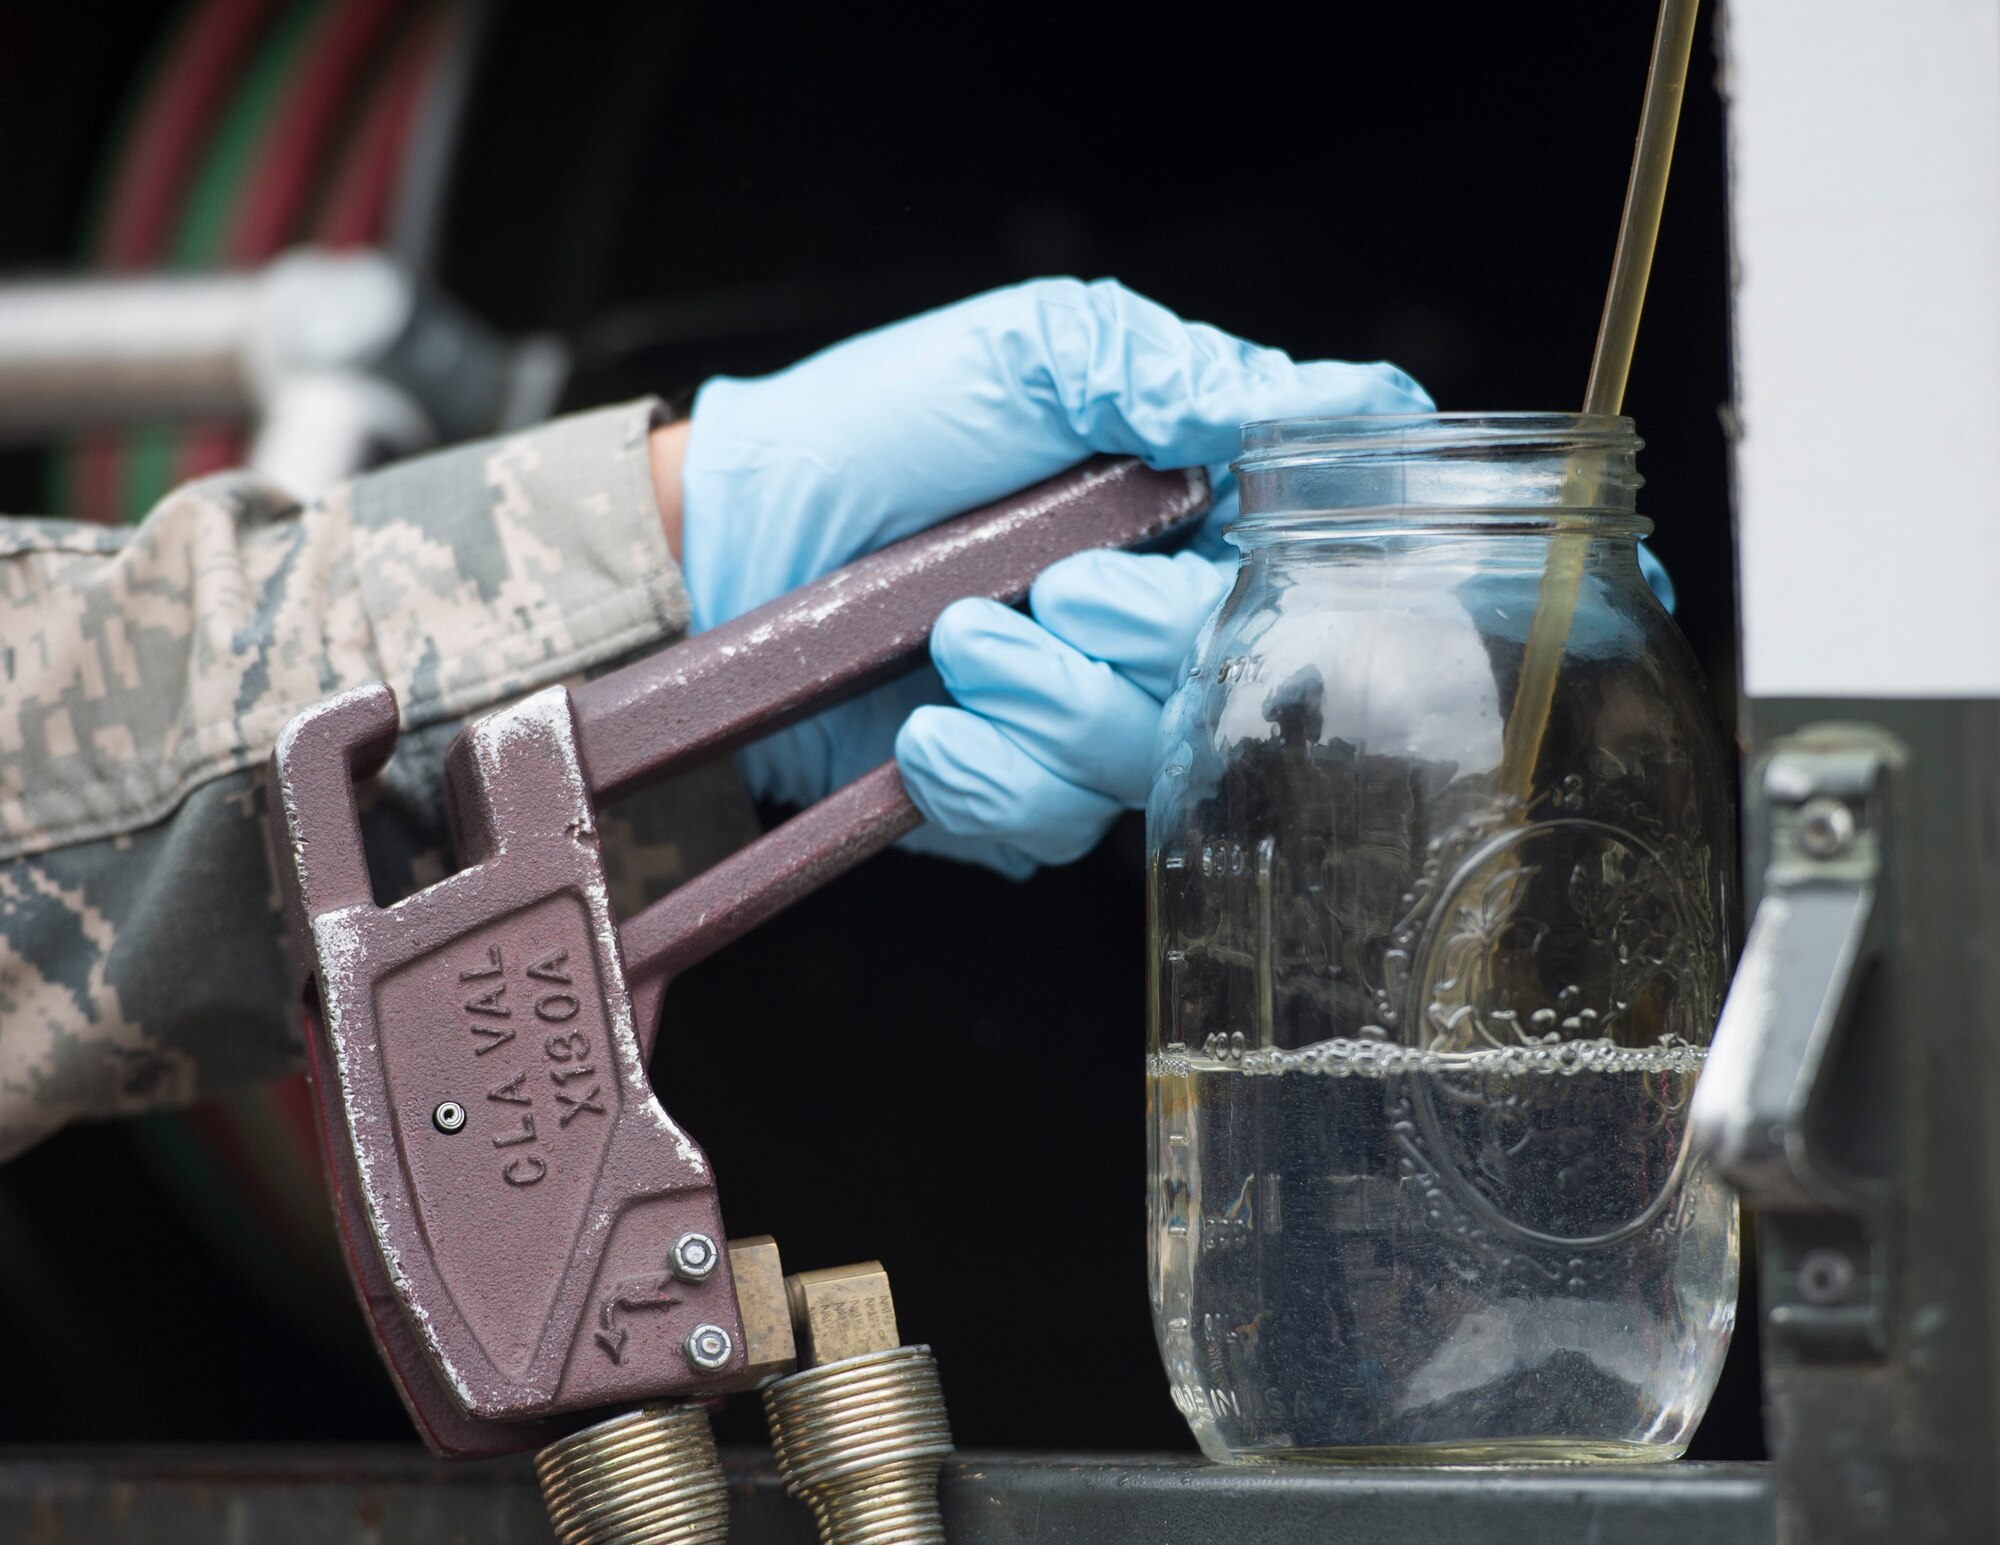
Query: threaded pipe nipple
{"x": 649, "y": 1477}
{"x": 861, "y": 1441}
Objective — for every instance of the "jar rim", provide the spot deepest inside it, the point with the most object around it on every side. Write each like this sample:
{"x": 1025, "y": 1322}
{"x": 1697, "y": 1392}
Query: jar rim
{"x": 1274, "y": 443}
{"x": 1280, "y": 528}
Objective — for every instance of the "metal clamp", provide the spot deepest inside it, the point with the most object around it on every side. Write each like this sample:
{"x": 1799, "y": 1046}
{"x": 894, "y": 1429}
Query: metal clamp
{"x": 1795, "y": 1012}
{"x": 1798, "y": 1106}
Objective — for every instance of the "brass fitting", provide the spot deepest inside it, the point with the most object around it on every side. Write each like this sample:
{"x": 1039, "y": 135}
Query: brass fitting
{"x": 841, "y": 1311}
{"x": 763, "y": 1300}
{"x": 860, "y": 1431}
{"x": 649, "y": 1477}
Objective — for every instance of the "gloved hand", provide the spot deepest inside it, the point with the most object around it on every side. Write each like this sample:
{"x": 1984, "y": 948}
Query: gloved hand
{"x": 1057, "y": 711}
{"x": 791, "y": 475}
{"x": 1054, "y": 732}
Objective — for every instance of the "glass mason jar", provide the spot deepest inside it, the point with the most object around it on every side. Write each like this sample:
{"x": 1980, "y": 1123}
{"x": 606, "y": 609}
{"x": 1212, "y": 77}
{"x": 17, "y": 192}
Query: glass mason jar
{"x": 1427, "y": 1010}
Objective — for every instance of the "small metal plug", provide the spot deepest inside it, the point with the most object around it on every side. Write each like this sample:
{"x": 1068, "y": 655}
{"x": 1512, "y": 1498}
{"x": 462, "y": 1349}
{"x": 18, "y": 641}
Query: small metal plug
{"x": 763, "y": 1303}
{"x": 842, "y": 1311}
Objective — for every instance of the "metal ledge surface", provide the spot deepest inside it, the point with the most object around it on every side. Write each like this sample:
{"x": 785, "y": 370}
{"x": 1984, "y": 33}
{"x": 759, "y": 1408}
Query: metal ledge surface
{"x": 305, "y": 1496}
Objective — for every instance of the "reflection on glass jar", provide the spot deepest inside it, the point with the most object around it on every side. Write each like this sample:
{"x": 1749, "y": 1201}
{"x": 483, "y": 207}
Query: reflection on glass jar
{"x": 1422, "y": 1043}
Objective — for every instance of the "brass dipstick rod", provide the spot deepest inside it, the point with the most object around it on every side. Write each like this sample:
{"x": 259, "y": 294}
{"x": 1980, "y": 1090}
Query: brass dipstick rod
{"x": 1610, "y": 364}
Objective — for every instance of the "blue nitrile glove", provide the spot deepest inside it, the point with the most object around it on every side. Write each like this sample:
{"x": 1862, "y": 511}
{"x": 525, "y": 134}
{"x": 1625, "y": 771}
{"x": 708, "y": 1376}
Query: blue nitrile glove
{"x": 1058, "y": 711}
{"x": 791, "y": 475}
{"x": 1054, "y": 732}
{"x": 1657, "y": 578}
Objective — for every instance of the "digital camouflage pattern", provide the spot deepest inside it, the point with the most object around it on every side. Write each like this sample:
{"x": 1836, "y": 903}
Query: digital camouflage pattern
{"x": 146, "y": 673}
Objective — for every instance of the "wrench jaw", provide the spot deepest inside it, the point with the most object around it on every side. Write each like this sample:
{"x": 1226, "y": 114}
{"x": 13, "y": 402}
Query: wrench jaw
{"x": 508, "y": 1188}
{"x": 318, "y": 758}
{"x": 440, "y": 1420}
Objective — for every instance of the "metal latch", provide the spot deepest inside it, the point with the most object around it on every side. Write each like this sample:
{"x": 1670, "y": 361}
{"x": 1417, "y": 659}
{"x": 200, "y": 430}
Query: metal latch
{"x": 1798, "y": 1105}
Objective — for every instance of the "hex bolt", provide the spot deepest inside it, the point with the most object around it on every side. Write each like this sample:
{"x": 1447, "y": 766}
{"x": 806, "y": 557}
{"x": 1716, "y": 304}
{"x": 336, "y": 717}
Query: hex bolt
{"x": 1826, "y": 827}
{"x": 449, "y": 1116}
{"x": 695, "y": 1257}
{"x": 1825, "y": 1277}
{"x": 708, "y": 1347}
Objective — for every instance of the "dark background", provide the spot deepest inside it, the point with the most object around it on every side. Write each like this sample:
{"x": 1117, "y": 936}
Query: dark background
{"x": 923, "y": 1063}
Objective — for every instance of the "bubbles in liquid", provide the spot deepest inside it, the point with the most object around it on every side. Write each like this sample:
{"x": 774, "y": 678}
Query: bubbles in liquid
{"x": 1344, "y": 1058}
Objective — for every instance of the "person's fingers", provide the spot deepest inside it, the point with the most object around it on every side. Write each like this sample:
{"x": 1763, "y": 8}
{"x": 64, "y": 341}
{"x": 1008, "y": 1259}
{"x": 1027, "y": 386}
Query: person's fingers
{"x": 1657, "y": 577}
{"x": 796, "y": 765}
{"x": 1076, "y": 716}
{"x": 971, "y": 780}
{"x": 1114, "y": 371}
{"x": 894, "y": 430}
{"x": 1138, "y": 613}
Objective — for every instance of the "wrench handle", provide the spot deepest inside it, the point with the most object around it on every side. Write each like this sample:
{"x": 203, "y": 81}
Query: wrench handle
{"x": 790, "y": 861}
{"x": 818, "y": 646}
{"x": 859, "y": 626}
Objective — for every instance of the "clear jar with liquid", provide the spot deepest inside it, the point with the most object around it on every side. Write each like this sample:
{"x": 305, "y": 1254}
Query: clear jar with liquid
{"x": 1431, "y": 984}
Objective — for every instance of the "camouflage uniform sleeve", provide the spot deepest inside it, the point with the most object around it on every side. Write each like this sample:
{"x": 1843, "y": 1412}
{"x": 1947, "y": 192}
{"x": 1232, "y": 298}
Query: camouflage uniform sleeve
{"x": 145, "y": 674}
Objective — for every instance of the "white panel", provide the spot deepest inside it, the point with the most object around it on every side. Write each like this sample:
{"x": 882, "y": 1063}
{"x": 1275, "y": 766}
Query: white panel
{"x": 1865, "y": 206}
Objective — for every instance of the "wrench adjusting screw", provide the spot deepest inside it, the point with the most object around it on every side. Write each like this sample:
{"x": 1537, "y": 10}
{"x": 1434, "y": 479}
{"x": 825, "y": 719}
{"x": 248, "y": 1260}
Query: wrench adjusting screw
{"x": 449, "y": 1116}
{"x": 708, "y": 1347}
{"x": 695, "y": 1257}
